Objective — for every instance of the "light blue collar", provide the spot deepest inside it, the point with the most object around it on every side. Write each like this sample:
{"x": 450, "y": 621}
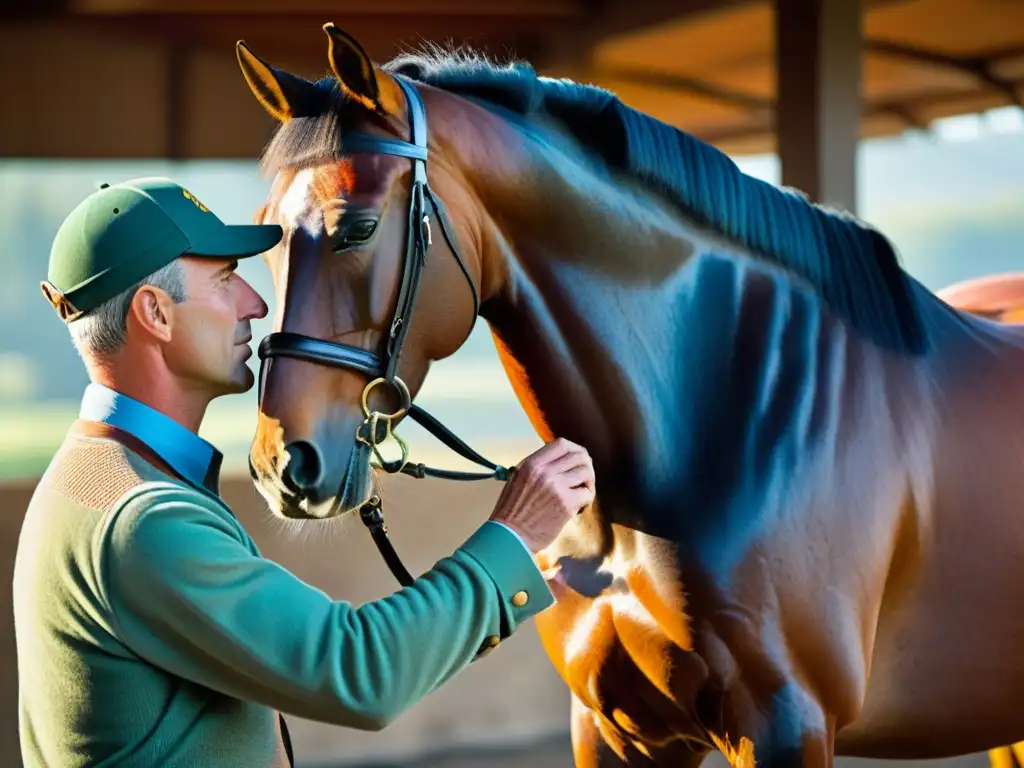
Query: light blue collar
{"x": 186, "y": 452}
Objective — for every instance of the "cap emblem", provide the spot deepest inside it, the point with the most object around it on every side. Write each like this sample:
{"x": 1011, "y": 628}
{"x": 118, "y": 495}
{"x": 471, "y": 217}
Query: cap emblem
{"x": 195, "y": 200}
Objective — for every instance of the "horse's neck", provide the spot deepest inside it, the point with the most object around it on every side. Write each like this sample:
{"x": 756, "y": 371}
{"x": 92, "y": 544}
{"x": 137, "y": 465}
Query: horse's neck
{"x": 701, "y": 387}
{"x": 693, "y": 372}
{"x": 588, "y": 299}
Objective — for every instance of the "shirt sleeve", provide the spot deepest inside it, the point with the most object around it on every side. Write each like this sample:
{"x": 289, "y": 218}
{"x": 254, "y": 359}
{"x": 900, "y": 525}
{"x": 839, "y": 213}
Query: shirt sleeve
{"x": 187, "y": 594}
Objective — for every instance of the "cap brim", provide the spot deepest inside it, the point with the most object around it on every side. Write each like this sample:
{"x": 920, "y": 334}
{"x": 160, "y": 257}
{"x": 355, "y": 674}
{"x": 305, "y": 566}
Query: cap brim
{"x": 237, "y": 241}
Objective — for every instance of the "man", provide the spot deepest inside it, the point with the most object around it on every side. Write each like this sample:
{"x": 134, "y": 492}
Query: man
{"x": 150, "y": 632}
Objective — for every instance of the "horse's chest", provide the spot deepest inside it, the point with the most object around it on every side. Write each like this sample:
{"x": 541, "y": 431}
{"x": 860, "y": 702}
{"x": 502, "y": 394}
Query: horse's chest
{"x": 622, "y": 643}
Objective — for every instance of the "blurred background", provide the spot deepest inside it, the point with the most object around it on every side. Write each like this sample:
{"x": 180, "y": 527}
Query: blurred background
{"x": 905, "y": 111}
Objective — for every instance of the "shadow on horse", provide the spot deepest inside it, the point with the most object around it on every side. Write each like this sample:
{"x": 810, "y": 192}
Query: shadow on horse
{"x": 807, "y": 540}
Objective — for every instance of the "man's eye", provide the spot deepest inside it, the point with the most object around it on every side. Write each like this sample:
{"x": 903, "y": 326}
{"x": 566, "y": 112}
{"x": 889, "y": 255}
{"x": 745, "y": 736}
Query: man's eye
{"x": 354, "y": 232}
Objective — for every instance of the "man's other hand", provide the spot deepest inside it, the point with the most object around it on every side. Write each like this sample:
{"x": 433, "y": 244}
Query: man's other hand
{"x": 547, "y": 490}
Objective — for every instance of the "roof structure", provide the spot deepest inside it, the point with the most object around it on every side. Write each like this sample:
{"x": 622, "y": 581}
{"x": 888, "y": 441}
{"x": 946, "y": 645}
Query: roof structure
{"x": 712, "y": 72}
{"x": 707, "y": 66}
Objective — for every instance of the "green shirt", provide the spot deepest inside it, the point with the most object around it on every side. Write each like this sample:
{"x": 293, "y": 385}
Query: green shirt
{"x": 150, "y": 631}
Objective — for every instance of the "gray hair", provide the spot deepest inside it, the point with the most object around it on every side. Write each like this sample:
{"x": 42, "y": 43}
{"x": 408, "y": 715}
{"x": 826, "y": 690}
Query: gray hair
{"x": 101, "y": 332}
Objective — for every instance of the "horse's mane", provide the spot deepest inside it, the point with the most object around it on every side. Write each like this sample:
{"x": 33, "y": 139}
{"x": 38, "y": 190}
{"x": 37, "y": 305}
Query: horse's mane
{"x": 851, "y": 265}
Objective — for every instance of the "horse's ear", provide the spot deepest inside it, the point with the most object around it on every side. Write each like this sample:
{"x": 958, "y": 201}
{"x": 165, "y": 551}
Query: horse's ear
{"x": 281, "y": 93}
{"x": 353, "y": 69}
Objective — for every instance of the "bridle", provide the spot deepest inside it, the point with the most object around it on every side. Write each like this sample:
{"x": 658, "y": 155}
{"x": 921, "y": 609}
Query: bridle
{"x": 377, "y": 427}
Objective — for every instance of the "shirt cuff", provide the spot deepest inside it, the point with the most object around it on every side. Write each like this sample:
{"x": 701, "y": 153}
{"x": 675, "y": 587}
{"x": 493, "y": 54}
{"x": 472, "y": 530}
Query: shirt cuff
{"x": 513, "y": 532}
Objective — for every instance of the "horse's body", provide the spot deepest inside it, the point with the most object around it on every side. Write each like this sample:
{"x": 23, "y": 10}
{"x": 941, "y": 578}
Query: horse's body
{"x": 792, "y": 500}
{"x": 807, "y": 536}
{"x": 848, "y": 560}
{"x": 997, "y": 297}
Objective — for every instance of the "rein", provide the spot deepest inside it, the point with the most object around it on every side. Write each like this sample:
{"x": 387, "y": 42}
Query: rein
{"x": 377, "y": 427}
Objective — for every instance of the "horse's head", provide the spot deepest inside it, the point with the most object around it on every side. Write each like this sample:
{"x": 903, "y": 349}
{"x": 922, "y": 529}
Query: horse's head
{"x": 371, "y": 284}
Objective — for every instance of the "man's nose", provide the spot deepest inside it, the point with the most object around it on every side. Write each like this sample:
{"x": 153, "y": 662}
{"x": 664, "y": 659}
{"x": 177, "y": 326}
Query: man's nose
{"x": 255, "y": 307}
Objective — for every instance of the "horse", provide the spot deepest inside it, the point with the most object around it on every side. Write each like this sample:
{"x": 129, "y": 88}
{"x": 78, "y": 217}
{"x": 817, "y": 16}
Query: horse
{"x": 998, "y": 297}
{"x": 804, "y": 542}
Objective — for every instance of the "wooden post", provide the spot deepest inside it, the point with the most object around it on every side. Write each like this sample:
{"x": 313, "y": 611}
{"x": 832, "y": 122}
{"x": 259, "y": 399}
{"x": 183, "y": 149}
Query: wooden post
{"x": 176, "y": 103}
{"x": 818, "y": 46}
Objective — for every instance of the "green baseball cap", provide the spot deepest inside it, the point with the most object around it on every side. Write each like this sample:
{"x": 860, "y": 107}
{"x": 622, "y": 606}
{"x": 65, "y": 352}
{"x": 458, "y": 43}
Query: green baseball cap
{"x": 123, "y": 232}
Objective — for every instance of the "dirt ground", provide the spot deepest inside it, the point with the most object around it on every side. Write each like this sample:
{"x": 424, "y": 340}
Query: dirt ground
{"x": 557, "y": 753}
{"x": 549, "y": 754}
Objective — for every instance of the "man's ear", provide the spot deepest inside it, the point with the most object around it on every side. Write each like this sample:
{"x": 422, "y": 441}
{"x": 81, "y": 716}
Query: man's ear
{"x": 150, "y": 311}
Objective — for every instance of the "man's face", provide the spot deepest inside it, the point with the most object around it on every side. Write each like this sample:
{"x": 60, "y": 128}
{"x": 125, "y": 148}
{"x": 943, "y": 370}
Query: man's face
{"x": 211, "y": 331}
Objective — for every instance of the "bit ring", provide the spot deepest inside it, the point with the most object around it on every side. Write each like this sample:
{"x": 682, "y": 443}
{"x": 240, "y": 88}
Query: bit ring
{"x": 405, "y": 400}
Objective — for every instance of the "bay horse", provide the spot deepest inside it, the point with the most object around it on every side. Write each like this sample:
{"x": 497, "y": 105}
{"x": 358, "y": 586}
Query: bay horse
{"x": 807, "y": 539}
{"x": 998, "y": 297}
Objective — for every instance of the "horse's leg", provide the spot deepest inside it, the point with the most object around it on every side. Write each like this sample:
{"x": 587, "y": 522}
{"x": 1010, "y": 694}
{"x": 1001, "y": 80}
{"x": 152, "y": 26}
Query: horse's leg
{"x": 589, "y": 749}
{"x": 765, "y": 717}
{"x": 599, "y": 743}
{"x": 594, "y": 746}
{"x": 814, "y": 751}
{"x": 786, "y": 741}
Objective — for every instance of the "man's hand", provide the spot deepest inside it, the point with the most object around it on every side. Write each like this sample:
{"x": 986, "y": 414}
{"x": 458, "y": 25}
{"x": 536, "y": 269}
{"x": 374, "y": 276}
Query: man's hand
{"x": 547, "y": 490}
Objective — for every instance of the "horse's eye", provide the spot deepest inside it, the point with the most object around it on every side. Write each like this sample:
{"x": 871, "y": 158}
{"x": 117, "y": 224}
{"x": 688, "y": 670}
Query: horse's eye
{"x": 355, "y": 232}
{"x": 361, "y": 229}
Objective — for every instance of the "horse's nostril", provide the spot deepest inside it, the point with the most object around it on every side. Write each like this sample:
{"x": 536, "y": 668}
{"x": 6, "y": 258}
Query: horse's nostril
{"x": 302, "y": 471}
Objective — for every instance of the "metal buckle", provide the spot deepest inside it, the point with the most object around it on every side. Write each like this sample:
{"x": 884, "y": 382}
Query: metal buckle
{"x": 425, "y": 230}
{"x": 65, "y": 310}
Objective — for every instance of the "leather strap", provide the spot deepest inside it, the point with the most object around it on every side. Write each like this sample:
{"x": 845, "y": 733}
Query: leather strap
{"x": 372, "y": 516}
{"x": 313, "y": 350}
{"x": 364, "y": 142}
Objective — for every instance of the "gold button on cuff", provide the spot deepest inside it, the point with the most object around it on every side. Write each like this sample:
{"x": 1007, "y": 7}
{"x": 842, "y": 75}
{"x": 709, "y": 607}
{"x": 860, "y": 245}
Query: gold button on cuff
{"x": 492, "y": 641}
{"x": 519, "y": 599}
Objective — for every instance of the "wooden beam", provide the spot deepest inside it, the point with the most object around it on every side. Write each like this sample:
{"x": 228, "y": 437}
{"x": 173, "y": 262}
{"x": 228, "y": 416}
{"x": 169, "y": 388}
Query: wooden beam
{"x": 567, "y": 52}
{"x": 37, "y": 9}
{"x": 300, "y": 39}
{"x": 569, "y": 49}
{"x": 674, "y": 82}
{"x": 331, "y": 8}
{"x": 979, "y": 67}
{"x": 759, "y": 137}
